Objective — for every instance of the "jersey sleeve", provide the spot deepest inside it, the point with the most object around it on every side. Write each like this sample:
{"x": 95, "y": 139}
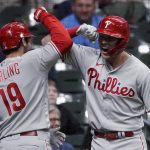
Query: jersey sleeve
{"x": 145, "y": 89}
{"x": 43, "y": 58}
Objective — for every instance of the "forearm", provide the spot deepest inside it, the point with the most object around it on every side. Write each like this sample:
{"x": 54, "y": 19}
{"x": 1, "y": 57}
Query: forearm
{"x": 73, "y": 31}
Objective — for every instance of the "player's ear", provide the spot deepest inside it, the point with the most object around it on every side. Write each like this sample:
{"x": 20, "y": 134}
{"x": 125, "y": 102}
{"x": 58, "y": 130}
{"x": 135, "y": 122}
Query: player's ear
{"x": 24, "y": 42}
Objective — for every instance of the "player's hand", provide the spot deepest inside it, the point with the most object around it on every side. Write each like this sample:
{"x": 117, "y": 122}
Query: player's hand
{"x": 40, "y": 13}
{"x": 56, "y": 138}
{"x": 88, "y": 31}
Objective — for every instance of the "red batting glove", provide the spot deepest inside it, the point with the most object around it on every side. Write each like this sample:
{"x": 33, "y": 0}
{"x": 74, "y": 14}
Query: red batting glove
{"x": 40, "y": 14}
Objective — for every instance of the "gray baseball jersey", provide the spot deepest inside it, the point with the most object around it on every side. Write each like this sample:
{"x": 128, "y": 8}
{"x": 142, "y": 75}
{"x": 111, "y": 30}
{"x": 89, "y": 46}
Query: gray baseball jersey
{"x": 116, "y": 98}
{"x": 23, "y": 86}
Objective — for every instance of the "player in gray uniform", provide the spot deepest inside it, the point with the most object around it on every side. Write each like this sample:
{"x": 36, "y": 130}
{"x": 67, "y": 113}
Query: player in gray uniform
{"x": 24, "y": 117}
{"x": 117, "y": 88}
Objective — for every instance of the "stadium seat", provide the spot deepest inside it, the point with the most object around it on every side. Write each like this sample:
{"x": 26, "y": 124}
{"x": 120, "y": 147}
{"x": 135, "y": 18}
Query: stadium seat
{"x": 70, "y": 81}
{"x": 75, "y": 140}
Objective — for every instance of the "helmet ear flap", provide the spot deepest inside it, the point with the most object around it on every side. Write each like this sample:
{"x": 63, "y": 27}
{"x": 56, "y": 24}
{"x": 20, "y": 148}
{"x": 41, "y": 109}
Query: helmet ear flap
{"x": 118, "y": 48}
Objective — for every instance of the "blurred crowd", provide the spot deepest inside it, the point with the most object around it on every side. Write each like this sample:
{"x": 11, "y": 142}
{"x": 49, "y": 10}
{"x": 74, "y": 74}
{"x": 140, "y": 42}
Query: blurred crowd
{"x": 74, "y": 13}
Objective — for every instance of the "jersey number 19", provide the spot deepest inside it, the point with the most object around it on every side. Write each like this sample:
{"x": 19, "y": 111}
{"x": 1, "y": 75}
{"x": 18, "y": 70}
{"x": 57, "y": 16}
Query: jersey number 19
{"x": 17, "y": 101}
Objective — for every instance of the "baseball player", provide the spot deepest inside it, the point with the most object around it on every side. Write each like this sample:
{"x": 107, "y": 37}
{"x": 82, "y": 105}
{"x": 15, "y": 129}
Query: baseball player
{"x": 24, "y": 117}
{"x": 117, "y": 88}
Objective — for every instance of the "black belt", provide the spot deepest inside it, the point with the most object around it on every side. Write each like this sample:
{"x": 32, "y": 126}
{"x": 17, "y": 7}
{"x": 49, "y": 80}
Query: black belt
{"x": 113, "y": 135}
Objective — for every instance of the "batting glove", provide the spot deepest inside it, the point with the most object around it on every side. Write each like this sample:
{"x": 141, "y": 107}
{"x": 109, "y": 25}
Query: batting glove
{"x": 57, "y": 138}
{"x": 40, "y": 13}
{"x": 88, "y": 31}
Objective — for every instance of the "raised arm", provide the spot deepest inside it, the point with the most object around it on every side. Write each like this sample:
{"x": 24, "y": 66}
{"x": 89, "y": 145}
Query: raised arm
{"x": 59, "y": 35}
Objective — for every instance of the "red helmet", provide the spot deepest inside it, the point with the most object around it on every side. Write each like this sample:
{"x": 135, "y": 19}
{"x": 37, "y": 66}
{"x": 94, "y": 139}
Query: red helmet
{"x": 117, "y": 27}
{"x": 12, "y": 33}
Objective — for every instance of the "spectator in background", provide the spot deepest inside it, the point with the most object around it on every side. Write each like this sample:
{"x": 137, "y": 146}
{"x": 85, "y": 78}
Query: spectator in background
{"x": 83, "y": 12}
{"x": 62, "y": 9}
{"x": 69, "y": 123}
{"x": 54, "y": 116}
{"x": 103, "y": 3}
{"x": 134, "y": 11}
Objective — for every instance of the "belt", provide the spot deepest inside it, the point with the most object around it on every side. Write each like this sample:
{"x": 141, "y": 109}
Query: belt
{"x": 29, "y": 133}
{"x": 41, "y": 134}
{"x": 113, "y": 135}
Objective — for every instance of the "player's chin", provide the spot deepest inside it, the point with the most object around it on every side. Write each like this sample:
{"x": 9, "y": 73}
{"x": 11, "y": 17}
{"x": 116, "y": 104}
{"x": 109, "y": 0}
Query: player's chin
{"x": 105, "y": 54}
{"x": 56, "y": 126}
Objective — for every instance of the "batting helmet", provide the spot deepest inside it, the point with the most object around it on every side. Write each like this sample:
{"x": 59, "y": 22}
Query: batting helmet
{"x": 12, "y": 33}
{"x": 117, "y": 27}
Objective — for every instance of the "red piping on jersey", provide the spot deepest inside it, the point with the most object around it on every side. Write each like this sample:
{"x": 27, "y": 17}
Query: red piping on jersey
{"x": 56, "y": 49}
{"x": 59, "y": 35}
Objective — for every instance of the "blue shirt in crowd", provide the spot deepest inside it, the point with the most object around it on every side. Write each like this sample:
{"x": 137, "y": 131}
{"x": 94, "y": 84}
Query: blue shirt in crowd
{"x": 72, "y": 21}
{"x": 65, "y": 146}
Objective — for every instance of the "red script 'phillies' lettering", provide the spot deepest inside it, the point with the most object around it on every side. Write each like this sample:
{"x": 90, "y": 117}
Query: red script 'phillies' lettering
{"x": 111, "y": 85}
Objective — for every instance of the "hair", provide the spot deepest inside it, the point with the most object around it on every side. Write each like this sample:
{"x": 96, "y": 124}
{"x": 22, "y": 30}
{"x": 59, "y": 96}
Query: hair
{"x": 73, "y": 1}
{"x": 53, "y": 108}
{"x": 9, "y": 51}
{"x": 52, "y": 82}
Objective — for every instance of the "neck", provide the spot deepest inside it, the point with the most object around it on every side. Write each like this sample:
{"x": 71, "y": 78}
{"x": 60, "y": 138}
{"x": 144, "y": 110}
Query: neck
{"x": 119, "y": 59}
{"x": 16, "y": 53}
{"x": 89, "y": 21}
